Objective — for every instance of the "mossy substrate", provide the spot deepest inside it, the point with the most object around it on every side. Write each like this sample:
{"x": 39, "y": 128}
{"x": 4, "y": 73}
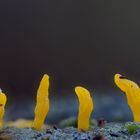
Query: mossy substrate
{"x": 111, "y": 131}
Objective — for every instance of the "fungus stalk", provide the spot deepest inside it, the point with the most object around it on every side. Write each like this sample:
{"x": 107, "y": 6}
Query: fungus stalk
{"x": 42, "y": 105}
{"x": 2, "y": 106}
{"x": 85, "y": 108}
{"x": 132, "y": 91}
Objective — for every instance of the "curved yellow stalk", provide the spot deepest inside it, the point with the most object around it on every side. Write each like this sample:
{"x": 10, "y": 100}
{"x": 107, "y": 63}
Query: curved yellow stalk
{"x": 3, "y": 100}
{"x": 42, "y": 105}
{"x": 85, "y": 107}
{"x": 132, "y": 93}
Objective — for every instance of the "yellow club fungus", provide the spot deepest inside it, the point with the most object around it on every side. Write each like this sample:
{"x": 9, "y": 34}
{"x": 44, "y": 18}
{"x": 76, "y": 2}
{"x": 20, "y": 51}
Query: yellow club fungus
{"x": 42, "y": 105}
{"x": 85, "y": 108}
{"x": 132, "y": 93}
{"x": 2, "y": 106}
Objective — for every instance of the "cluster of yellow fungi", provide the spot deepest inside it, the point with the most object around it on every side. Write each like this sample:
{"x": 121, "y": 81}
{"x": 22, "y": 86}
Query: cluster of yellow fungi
{"x": 85, "y": 103}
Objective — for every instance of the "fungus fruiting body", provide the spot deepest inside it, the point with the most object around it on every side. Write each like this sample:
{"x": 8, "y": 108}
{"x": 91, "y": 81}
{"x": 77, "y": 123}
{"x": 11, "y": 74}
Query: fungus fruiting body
{"x": 2, "y": 106}
{"x": 132, "y": 93}
{"x": 85, "y": 107}
{"x": 42, "y": 105}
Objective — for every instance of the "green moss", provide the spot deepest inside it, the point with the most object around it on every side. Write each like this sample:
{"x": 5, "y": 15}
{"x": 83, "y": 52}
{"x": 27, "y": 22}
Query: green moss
{"x": 132, "y": 128}
{"x": 69, "y": 122}
{"x": 93, "y": 123}
{"x": 73, "y": 122}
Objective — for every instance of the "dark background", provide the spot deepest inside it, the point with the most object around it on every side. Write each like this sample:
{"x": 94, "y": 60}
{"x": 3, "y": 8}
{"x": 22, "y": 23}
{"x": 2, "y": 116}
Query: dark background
{"x": 75, "y": 42}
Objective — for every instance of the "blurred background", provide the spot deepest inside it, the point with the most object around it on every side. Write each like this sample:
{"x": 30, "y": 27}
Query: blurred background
{"x": 76, "y": 42}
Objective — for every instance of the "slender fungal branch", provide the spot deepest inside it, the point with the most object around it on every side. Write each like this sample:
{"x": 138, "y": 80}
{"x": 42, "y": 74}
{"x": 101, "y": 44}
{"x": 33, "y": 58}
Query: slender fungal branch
{"x": 42, "y": 104}
{"x": 132, "y": 91}
{"x": 85, "y": 108}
